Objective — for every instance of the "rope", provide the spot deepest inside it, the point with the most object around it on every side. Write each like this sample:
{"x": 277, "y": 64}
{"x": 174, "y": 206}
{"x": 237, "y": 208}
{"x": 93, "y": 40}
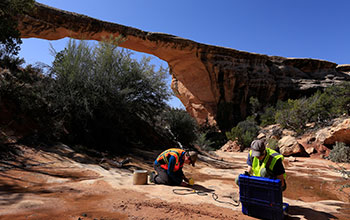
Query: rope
{"x": 202, "y": 193}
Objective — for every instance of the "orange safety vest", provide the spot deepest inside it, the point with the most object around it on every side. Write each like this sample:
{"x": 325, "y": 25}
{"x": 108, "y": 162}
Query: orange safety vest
{"x": 175, "y": 152}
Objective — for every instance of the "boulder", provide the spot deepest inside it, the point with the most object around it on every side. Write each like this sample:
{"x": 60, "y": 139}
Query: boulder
{"x": 338, "y": 132}
{"x": 289, "y": 145}
{"x": 231, "y": 146}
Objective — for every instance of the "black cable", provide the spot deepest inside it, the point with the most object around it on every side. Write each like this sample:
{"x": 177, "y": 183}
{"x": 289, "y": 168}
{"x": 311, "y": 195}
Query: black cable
{"x": 202, "y": 193}
{"x": 189, "y": 191}
{"x": 215, "y": 197}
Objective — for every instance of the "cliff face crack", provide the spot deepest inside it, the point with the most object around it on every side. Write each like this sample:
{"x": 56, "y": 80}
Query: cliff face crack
{"x": 214, "y": 83}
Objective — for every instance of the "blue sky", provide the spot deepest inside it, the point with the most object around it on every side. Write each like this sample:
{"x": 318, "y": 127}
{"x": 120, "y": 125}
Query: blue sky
{"x": 318, "y": 29}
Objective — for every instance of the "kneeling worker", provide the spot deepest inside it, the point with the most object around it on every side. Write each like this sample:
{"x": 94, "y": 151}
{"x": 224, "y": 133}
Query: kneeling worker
{"x": 169, "y": 166}
{"x": 265, "y": 162}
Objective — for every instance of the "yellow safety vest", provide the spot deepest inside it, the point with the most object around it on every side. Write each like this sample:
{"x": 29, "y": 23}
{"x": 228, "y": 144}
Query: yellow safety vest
{"x": 269, "y": 161}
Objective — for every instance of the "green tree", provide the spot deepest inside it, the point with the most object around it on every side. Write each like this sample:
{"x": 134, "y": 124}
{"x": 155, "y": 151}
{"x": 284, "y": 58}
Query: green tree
{"x": 339, "y": 97}
{"x": 255, "y": 106}
{"x": 9, "y": 34}
{"x": 294, "y": 114}
{"x": 102, "y": 94}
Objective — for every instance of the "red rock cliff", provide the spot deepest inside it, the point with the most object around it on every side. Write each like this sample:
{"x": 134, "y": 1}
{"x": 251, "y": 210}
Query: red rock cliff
{"x": 213, "y": 83}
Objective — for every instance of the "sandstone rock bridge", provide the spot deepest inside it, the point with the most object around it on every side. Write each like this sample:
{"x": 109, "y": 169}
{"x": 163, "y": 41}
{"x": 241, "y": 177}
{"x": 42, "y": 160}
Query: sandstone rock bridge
{"x": 214, "y": 83}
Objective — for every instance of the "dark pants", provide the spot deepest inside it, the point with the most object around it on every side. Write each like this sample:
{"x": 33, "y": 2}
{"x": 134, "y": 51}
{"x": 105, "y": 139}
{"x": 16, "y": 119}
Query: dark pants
{"x": 162, "y": 176}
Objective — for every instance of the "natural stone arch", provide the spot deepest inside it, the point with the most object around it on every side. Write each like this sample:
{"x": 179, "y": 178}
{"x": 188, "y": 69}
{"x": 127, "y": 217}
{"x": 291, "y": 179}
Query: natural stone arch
{"x": 214, "y": 83}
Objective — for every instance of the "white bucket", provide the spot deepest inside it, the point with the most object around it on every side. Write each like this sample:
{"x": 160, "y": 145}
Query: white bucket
{"x": 140, "y": 177}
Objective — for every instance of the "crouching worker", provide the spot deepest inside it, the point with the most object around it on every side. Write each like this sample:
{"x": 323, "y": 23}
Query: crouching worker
{"x": 265, "y": 162}
{"x": 169, "y": 166}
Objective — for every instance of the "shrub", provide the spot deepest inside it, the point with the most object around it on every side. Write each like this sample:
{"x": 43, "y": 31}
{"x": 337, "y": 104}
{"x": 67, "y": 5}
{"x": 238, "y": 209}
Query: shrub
{"x": 245, "y": 132}
{"x": 255, "y": 106}
{"x": 211, "y": 137}
{"x": 340, "y": 153}
{"x": 320, "y": 108}
{"x": 272, "y": 143}
{"x": 102, "y": 96}
{"x": 22, "y": 90}
{"x": 182, "y": 125}
{"x": 268, "y": 116}
{"x": 339, "y": 97}
{"x": 293, "y": 115}
{"x": 204, "y": 143}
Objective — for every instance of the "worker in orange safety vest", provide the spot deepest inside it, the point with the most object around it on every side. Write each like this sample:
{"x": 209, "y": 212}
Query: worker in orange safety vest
{"x": 169, "y": 166}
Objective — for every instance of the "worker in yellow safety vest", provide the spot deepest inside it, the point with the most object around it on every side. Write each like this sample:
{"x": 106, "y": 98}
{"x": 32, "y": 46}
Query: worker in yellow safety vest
{"x": 169, "y": 166}
{"x": 265, "y": 162}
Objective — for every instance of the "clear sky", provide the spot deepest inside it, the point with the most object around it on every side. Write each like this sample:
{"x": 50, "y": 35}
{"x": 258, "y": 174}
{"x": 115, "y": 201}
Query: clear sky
{"x": 318, "y": 29}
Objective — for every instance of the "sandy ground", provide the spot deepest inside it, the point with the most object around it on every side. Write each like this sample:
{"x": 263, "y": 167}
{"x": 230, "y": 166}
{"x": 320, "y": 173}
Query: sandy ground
{"x": 61, "y": 184}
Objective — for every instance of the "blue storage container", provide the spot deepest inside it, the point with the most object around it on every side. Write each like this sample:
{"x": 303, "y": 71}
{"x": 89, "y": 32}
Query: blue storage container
{"x": 261, "y": 197}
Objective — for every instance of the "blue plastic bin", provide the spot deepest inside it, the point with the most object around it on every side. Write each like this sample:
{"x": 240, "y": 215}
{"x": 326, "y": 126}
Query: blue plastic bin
{"x": 261, "y": 197}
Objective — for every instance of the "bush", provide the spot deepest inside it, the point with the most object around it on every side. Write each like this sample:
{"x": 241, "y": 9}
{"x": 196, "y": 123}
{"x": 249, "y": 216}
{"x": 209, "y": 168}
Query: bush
{"x": 339, "y": 97}
{"x": 255, "y": 106}
{"x": 268, "y": 116}
{"x": 102, "y": 96}
{"x": 182, "y": 126}
{"x": 210, "y": 137}
{"x": 272, "y": 143}
{"x": 320, "y": 108}
{"x": 204, "y": 143}
{"x": 245, "y": 132}
{"x": 340, "y": 153}
{"x": 294, "y": 115}
{"x": 21, "y": 91}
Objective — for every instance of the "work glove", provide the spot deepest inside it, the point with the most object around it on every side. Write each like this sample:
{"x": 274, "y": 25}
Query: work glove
{"x": 246, "y": 173}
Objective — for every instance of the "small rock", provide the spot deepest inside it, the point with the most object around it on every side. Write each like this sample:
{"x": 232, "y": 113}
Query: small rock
{"x": 292, "y": 159}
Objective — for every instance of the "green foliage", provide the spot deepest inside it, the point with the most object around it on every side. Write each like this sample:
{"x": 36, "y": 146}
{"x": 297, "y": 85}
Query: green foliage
{"x": 338, "y": 99}
{"x": 21, "y": 91}
{"x": 255, "y": 106}
{"x": 182, "y": 125}
{"x": 210, "y": 137}
{"x": 268, "y": 116}
{"x": 263, "y": 115}
{"x": 272, "y": 143}
{"x": 97, "y": 96}
{"x": 102, "y": 94}
{"x": 320, "y": 108}
{"x": 245, "y": 132}
{"x": 204, "y": 143}
{"x": 340, "y": 153}
{"x": 294, "y": 115}
{"x": 9, "y": 34}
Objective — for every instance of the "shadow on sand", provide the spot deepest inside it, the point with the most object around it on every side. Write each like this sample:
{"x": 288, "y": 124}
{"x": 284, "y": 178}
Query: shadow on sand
{"x": 307, "y": 213}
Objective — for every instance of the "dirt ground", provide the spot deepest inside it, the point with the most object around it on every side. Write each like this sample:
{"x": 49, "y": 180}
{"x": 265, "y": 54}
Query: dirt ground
{"x": 58, "y": 183}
